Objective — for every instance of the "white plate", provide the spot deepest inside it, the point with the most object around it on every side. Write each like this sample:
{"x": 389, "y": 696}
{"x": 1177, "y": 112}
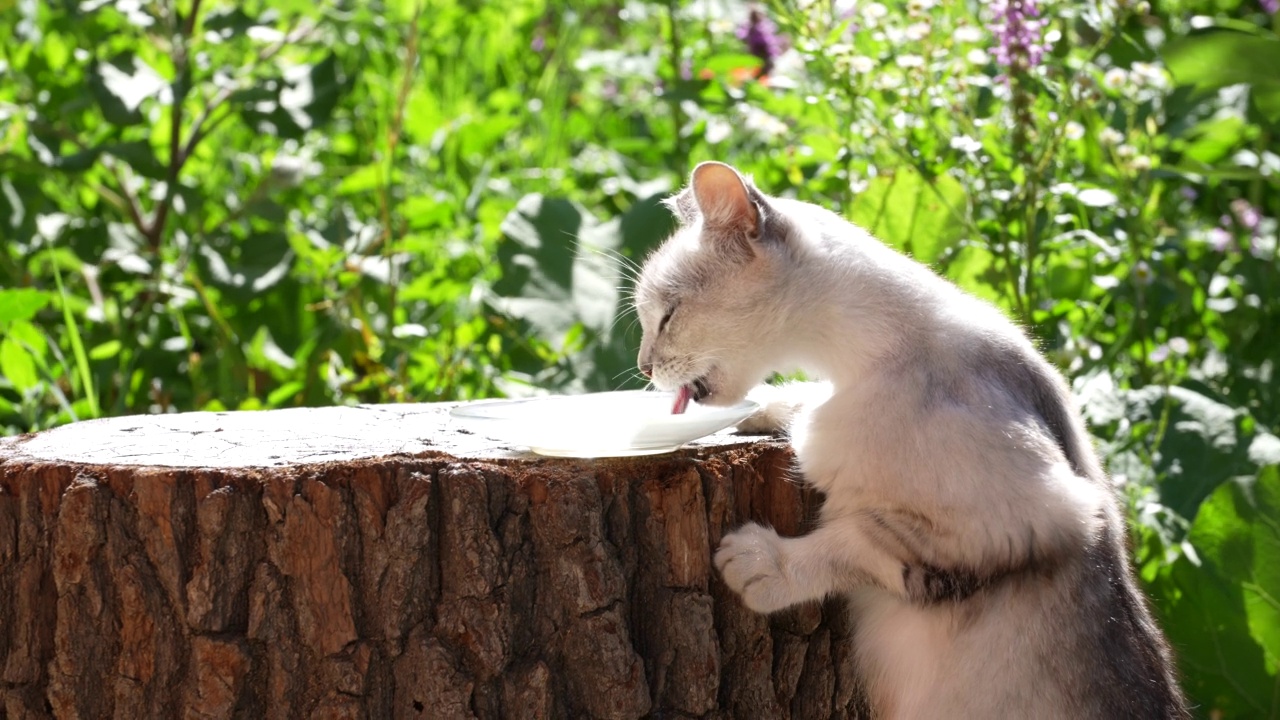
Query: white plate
{"x": 609, "y": 424}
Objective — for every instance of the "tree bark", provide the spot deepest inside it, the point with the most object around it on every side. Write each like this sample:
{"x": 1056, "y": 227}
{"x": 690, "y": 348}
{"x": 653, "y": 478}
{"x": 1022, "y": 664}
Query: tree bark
{"x": 379, "y": 562}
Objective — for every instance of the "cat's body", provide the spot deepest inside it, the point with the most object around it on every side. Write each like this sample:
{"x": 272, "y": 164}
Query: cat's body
{"x": 967, "y": 517}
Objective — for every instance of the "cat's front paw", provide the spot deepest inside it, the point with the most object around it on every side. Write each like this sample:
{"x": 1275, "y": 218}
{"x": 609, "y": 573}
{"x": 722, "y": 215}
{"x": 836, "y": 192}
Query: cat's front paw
{"x": 750, "y": 560}
{"x": 780, "y": 405}
{"x": 777, "y": 408}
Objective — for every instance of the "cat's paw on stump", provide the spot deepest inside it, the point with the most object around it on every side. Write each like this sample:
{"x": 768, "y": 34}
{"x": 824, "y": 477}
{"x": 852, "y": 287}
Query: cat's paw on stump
{"x": 771, "y": 419}
{"x": 750, "y": 561}
{"x": 780, "y": 404}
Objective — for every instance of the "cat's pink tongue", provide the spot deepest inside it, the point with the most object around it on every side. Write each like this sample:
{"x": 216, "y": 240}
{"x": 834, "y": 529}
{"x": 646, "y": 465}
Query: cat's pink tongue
{"x": 682, "y": 400}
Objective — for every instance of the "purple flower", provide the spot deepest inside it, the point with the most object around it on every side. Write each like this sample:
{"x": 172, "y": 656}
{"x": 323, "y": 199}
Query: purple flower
{"x": 1246, "y": 214}
{"x": 762, "y": 39}
{"x": 1270, "y": 7}
{"x": 1018, "y": 30}
{"x": 538, "y": 43}
{"x": 1189, "y": 193}
{"x": 1220, "y": 239}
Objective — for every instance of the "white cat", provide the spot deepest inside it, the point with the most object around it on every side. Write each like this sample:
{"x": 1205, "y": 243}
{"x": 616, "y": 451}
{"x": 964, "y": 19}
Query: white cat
{"x": 967, "y": 518}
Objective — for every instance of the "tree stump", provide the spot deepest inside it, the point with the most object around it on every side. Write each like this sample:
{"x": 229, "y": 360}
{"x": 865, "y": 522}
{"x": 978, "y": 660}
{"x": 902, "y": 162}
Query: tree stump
{"x": 379, "y": 562}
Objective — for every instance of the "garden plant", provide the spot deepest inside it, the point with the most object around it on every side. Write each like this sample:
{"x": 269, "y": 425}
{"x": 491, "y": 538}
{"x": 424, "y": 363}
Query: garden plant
{"x": 215, "y": 205}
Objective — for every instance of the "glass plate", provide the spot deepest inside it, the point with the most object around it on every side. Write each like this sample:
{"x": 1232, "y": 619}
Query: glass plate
{"x": 608, "y": 424}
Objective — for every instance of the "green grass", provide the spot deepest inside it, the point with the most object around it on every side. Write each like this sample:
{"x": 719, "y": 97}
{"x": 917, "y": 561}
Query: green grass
{"x": 411, "y": 201}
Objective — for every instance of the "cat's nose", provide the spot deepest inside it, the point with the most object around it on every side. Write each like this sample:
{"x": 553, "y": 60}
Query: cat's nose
{"x": 646, "y": 369}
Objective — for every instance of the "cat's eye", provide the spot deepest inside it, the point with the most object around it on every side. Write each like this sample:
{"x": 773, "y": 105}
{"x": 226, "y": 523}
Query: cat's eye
{"x": 666, "y": 318}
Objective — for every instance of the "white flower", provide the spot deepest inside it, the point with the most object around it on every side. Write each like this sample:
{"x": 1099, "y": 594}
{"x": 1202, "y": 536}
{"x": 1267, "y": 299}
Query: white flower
{"x": 844, "y": 8}
{"x": 1141, "y": 162}
{"x": 1110, "y": 136}
{"x": 290, "y": 170}
{"x": 887, "y": 81}
{"x": 917, "y": 31}
{"x": 910, "y": 61}
{"x": 861, "y": 64}
{"x": 967, "y": 34}
{"x": 718, "y": 129}
{"x": 904, "y": 120}
{"x": 874, "y": 11}
{"x": 1115, "y": 78}
{"x": 1126, "y": 151}
{"x": 965, "y": 144}
{"x": 1142, "y": 273}
{"x": 1096, "y": 197}
{"x": 721, "y": 26}
{"x": 1148, "y": 74}
{"x": 919, "y": 6}
{"x": 762, "y": 123}
{"x": 1074, "y": 130}
{"x": 978, "y": 56}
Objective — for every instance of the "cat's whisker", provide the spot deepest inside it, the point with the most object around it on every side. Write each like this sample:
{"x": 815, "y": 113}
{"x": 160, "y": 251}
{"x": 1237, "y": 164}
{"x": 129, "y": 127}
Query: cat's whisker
{"x": 626, "y": 310}
{"x": 628, "y": 269}
{"x": 632, "y": 374}
{"x": 627, "y": 263}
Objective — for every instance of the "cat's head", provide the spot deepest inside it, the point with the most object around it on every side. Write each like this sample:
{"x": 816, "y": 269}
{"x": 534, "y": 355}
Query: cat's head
{"x": 710, "y": 298}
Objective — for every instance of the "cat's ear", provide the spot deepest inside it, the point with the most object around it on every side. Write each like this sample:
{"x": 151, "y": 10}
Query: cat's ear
{"x": 724, "y": 199}
{"x": 683, "y": 206}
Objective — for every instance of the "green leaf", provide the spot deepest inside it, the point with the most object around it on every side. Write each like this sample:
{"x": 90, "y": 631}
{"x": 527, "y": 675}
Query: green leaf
{"x": 1262, "y": 594}
{"x": 327, "y": 86}
{"x": 255, "y": 265}
{"x": 16, "y": 364}
{"x": 77, "y": 347}
{"x": 140, "y": 156}
{"x": 1205, "y": 442}
{"x": 1222, "y": 666}
{"x": 1217, "y": 58}
{"x": 1266, "y": 96}
{"x": 725, "y": 63}
{"x": 227, "y": 21}
{"x": 285, "y": 392}
{"x": 538, "y": 260}
{"x": 1213, "y": 140}
{"x": 263, "y": 353}
{"x": 911, "y": 213}
{"x": 21, "y": 304}
{"x": 106, "y": 350}
{"x": 1236, "y": 534}
{"x": 48, "y": 153}
{"x": 30, "y": 337}
{"x": 120, "y": 87}
{"x": 973, "y": 268}
{"x": 1221, "y": 533}
{"x": 561, "y": 276}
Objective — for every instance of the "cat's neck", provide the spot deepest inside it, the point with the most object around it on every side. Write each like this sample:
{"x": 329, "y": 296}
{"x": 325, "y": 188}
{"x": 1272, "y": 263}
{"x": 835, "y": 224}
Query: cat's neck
{"x": 859, "y": 305}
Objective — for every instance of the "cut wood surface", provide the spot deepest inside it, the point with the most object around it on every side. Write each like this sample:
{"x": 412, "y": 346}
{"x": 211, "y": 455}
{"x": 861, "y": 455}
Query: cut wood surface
{"x": 376, "y": 561}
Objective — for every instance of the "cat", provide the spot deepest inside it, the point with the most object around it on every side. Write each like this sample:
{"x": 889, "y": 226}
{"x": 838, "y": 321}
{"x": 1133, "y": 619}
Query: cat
{"x": 967, "y": 518}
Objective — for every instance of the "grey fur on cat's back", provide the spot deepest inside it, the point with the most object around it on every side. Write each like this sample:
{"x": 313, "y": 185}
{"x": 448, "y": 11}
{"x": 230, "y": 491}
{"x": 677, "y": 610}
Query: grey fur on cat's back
{"x": 967, "y": 517}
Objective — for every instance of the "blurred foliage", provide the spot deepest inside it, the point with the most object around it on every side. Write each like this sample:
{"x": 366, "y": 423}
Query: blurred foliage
{"x": 279, "y": 203}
